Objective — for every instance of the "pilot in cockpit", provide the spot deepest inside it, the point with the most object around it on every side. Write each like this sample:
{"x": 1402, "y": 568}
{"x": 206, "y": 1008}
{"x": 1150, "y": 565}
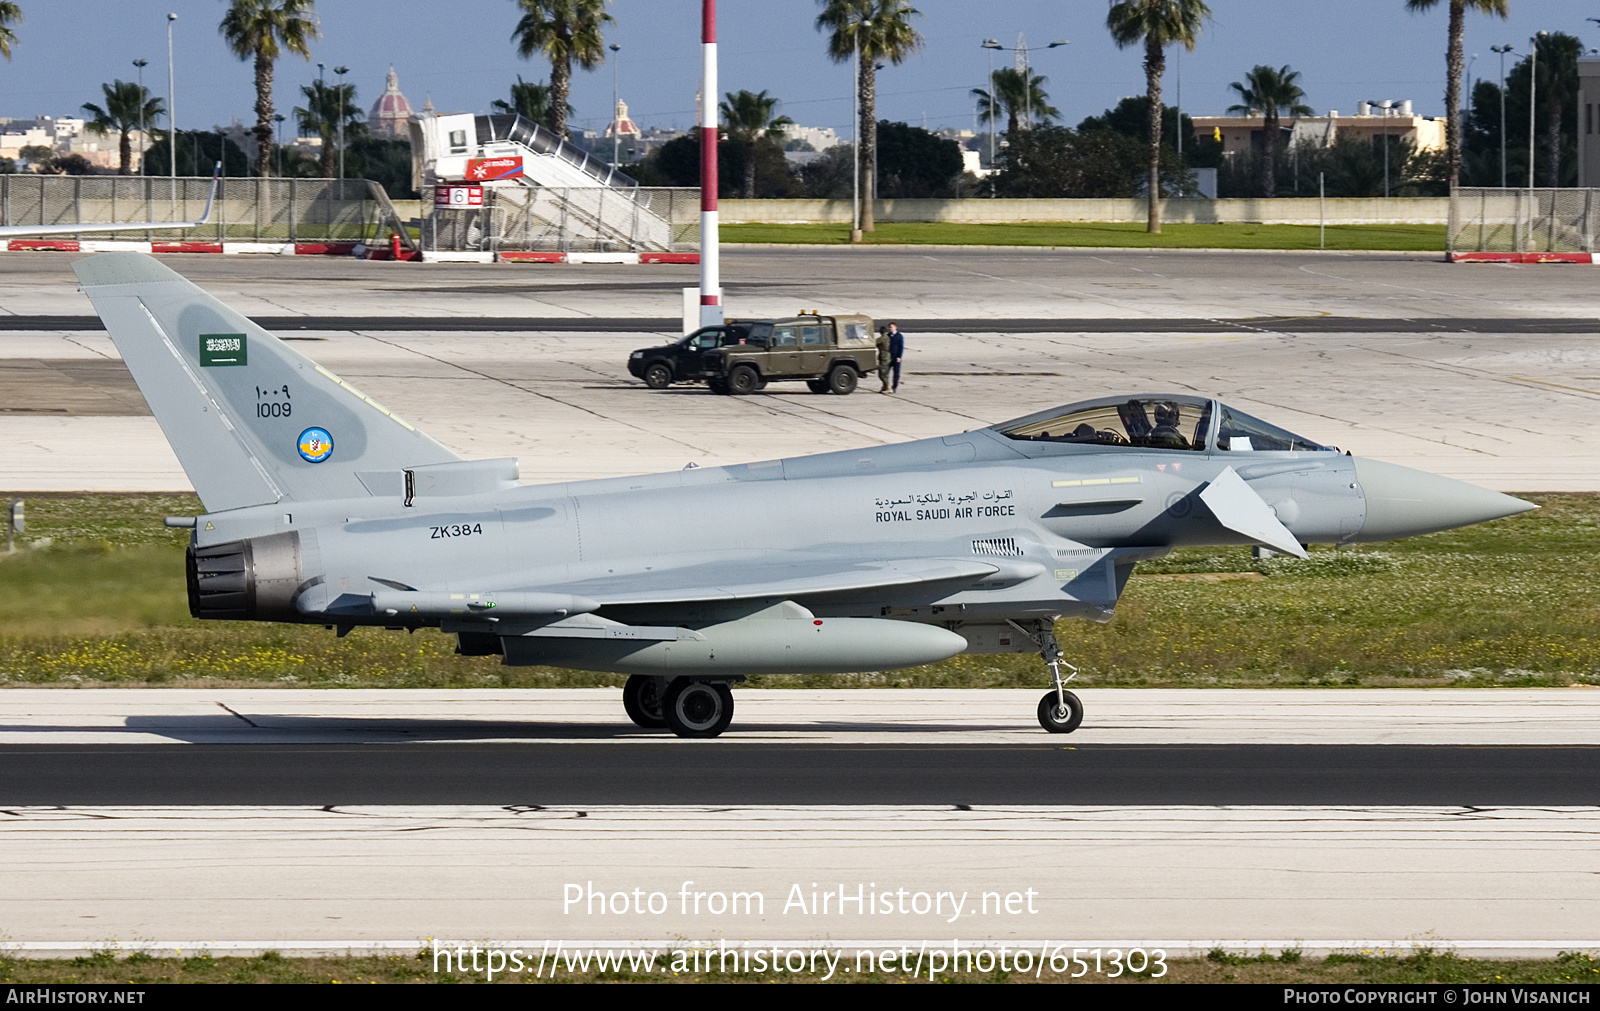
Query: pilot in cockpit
{"x": 1165, "y": 434}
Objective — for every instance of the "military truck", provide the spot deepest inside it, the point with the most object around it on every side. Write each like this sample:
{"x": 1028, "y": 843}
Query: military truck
{"x": 829, "y": 353}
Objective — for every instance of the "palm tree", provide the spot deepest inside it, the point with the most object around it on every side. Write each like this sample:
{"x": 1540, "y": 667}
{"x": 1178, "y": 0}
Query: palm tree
{"x": 1558, "y": 88}
{"x": 10, "y": 14}
{"x": 129, "y": 107}
{"x": 1265, "y": 92}
{"x": 1016, "y": 98}
{"x": 1452, "y": 65}
{"x": 1158, "y": 24}
{"x": 564, "y": 31}
{"x": 263, "y": 29}
{"x": 881, "y": 29}
{"x": 326, "y": 108}
{"x": 748, "y": 117}
{"x": 530, "y": 100}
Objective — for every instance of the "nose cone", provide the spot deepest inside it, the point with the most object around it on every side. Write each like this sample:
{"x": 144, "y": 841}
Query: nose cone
{"x": 1402, "y": 502}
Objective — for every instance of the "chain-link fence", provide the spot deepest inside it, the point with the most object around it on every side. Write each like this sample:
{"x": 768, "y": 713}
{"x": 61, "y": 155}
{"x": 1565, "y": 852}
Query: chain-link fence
{"x": 1484, "y": 219}
{"x": 567, "y": 219}
{"x": 250, "y": 209}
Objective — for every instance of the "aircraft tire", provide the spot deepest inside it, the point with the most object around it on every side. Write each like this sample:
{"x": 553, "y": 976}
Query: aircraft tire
{"x": 817, "y": 385}
{"x": 718, "y": 386}
{"x": 743, "y": 379}
{"x": 658, "y": 376}
{"x": 641, "y": 698}
{"x": 1056, "y": 722}
{"x": 697, "y": 708}
{"x": 842, "y": 380}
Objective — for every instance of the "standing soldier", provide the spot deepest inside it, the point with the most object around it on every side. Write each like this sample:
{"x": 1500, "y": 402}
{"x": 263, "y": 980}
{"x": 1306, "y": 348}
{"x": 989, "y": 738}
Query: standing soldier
{"x": 884, "y": 362}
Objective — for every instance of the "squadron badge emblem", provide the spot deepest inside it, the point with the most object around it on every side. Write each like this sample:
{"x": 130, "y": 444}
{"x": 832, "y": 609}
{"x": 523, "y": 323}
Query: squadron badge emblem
{"x": 316, "y": 445}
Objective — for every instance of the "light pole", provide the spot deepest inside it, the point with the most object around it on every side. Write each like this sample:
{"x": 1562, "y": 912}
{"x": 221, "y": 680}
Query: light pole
{"x": 1533, "y": 104}
{"x": 143, "y": 133}
{"x": 1502, "y": 50}
{"x": 1178, "y": 124}
{"x": 277, "y": 120}
{"x": 339, "y": 112}
{"x": 1027, "y": 72}
{"x": 1471, "y": 105}
{"x": 1388, "y": 107}
{"x": 616, "y": 96}
{"x": 172, "y": 121}
{"x": 991, "y": 45}
{"x": 855, "y": 139}
{"x": 322, "y": 93}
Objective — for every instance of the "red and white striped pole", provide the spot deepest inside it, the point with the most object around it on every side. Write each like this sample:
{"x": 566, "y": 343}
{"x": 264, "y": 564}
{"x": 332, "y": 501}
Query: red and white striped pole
{"x": 711, "y": 313}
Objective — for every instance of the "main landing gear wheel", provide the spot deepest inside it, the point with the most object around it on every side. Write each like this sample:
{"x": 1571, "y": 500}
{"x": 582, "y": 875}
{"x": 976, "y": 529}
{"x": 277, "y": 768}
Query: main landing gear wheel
{"x": 1060, "y": 715}
{"x": 698, "y": 708}
{"x": 658, "y": 376}
{"x": 641, "y": 697}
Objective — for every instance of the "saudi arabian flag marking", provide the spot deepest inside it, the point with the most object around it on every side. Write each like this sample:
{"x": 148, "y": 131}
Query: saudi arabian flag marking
{"x": 223, "y": 349}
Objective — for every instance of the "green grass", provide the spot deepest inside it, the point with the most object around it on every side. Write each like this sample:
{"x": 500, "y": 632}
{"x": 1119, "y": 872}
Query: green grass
{"x": 1422, "y": 966}
{"x": 1129, "y": 235}
{"x": 97, "y": 597}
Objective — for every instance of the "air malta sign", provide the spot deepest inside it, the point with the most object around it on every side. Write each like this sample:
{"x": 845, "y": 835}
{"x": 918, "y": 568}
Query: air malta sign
{"x": 490, "y": 169}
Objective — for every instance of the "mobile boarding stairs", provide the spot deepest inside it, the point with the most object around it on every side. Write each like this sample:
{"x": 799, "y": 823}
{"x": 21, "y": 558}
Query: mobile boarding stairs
{"x": 503, "y": 182}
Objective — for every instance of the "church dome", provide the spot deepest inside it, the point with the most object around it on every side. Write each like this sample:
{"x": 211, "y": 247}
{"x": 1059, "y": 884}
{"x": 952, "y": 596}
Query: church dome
{"x": 391, "y": 111}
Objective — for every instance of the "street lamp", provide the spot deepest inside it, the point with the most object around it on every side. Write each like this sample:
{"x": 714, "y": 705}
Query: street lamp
{"x": 1502, "y": 50}
{"x": 1027, "y": 74}
{"x": 616, "y": 135}
{"x": 1533, "y": 103}
{"x": 991, "y": 45}
{"x": 322, "y": 93}
{"x": 1388, "y": 107}
{"x": 1178, "y": 126}
{"x": 143, "y": 133}
{"x": 339, "y": 112}
{"x": 172, "y": 121}
{"x": 1469, "y": 80}
{"x": 277, "y": 120}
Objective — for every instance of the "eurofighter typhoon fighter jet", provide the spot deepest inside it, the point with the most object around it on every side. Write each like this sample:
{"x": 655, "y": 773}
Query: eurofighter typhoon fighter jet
{"x": 323, "y": 507}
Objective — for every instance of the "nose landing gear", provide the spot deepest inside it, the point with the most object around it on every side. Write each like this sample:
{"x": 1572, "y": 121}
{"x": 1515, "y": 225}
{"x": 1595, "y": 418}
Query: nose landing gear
{"x": 1059, "y": 712}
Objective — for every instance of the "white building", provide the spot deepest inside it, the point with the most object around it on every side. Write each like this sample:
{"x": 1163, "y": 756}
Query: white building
{"x": 1244, "y": 133}
{"x": 1589, "y": 122}
{"x": 819, "y": 137}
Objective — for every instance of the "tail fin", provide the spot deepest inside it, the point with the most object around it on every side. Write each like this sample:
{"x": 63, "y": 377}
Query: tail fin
{"x": 251, "y": 420}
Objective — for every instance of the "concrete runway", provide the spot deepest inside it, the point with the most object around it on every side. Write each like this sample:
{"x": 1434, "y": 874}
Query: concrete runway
{"x": 1504, "y": 880}
{"x": 1441, "y": 388}
{"x": 366, "y": 820}
{"x": 987, "y": 718}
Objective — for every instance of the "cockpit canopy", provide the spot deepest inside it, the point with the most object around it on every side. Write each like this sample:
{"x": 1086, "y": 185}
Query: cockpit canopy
{"x": 1170, "y": 421}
